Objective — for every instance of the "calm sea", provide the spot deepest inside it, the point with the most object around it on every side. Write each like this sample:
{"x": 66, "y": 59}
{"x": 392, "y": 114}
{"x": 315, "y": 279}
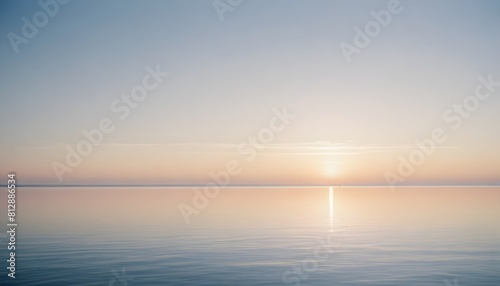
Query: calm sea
{"x": 255, "y": 236}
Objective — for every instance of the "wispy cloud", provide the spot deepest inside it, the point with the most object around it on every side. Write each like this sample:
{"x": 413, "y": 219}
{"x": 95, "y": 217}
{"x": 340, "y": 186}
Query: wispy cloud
{"x": 317, "y": 148}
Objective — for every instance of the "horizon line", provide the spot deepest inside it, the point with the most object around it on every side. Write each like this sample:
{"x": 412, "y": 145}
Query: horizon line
{"x": 240, "y": 185}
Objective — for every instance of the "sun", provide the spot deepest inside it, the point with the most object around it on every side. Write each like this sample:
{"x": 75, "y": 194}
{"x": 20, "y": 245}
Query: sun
{"x": 331, "y": 169}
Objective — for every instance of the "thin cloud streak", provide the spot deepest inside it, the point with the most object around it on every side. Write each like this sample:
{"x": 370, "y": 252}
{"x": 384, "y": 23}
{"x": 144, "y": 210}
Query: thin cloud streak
{"x": 302, "y": 149}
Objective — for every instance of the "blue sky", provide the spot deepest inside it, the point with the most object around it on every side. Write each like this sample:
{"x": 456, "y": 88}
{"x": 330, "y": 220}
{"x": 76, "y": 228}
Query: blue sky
{"x": 227, "y": 76}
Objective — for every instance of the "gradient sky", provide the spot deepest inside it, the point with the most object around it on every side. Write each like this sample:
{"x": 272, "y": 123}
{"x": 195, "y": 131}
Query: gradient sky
{"x": 352, "y": 120}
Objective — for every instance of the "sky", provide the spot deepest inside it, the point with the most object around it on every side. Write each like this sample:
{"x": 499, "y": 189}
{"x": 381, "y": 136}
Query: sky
{"x": 274, "y": 71}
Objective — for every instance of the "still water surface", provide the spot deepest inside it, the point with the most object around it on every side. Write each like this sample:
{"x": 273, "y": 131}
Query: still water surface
{"x": 257, "y": 236}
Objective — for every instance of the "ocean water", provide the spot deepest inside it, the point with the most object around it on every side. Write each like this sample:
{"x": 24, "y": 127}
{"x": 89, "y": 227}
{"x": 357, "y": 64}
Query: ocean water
{"x": 256, "y": 236}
